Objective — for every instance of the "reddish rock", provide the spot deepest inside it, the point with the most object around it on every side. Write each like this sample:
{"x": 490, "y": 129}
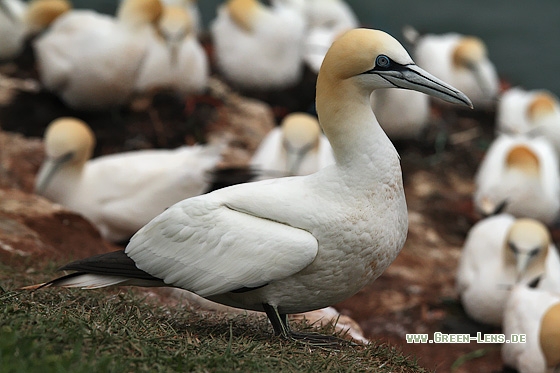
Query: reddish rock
{"x": 20, "y": 159}
{"x": 33, "y": 231}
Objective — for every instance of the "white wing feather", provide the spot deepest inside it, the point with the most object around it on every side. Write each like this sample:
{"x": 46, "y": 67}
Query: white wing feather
{"x": 206, "y": 247}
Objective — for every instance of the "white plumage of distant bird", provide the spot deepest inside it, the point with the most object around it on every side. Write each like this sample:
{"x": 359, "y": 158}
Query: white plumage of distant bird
{"x": 460, "y": 60}
{"x": 533, "y": 113}
{"x": 174, "y": 58}
{"x": 12, "y": 28}
{"x": 326, "y": 20}
{"x": 92, "y": 60}
{"x": 259, "y": 47}
{"x": 118, "y": 193}
{"x": 296, "y": 147}
{"x": 499, "y": 252}
{"x": 295, "y": 244}
{"x": 20, "y": 20}
{"x": 534, "y": 313}
{"x": 520, "y": 176}
{"x": 402, "y": 114}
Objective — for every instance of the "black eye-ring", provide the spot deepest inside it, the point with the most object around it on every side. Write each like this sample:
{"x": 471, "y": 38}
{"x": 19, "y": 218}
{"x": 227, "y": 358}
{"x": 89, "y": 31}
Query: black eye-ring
{"x": 382, "y": 61}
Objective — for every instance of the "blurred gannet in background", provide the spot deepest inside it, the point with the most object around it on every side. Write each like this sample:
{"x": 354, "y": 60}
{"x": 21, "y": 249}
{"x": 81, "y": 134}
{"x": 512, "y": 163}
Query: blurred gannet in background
{"x": 92, "y": 60}
{"x": 296, "y": 147}
{"x": 118, "y": 193}
{"x": 326, "y": 20}
{"x": 401, "y": 113}
{"x": 259, "y": 47}
{"x": 536, "y": 314}
{"x": 294, "y": 244}
{"x": 498, "y": 252}
{"x": 520, "y": 176}
{"x": 175, "y": 59}
{"x": 460, "y": 60}
{"x": 533, "y": 113}
{"x": 19, "y": 21}
{"x": 192, "y": 8}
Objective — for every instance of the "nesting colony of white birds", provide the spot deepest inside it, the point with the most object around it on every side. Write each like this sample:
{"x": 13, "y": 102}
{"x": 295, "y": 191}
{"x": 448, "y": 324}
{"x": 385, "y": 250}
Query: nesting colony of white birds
{"x": 327, "y": 214}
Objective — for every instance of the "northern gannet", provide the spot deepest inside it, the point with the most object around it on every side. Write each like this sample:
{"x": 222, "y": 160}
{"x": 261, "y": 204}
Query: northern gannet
{"x": 500, "y": 251}
{"x": 118, "y": 193}
{"x": 258, "y": 47}
{"x": 296, "y": 147}
{"x": 294, "y": 244}
{"x": 20, "y": 20}
{"x": 460, "y": 60}
{"x": 174, "y": 59}
{"x": 533, "y": 113}
{"x": 520, "y": 176}
{"x": 92, "y": 60}
{"x": 534, "y": 313}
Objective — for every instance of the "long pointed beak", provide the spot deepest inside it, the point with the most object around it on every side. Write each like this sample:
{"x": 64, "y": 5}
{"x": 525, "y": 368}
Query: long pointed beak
{"x": 173, "y": 47}
{"x": 293, "y": 161}
{"x": 8, "y": 12}
{"x": 49, "y": 168}
{"x": 415, "y": 78}
{"x": 482, "y": 81}
{"x": 521, "y": 265}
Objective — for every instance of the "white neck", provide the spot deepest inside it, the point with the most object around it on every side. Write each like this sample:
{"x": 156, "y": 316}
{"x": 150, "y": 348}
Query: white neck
{"x": 356, "y": 137}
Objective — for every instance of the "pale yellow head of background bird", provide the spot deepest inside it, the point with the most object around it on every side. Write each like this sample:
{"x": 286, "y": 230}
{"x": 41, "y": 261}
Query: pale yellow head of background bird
{"x": 469, "y": 51}
{"x": 243, "y": 12}
{"x": 301, "y": 130}
{"x": 526, "y": 247}
{"x": 137, "y": 13}
{"x": 41, "y": 13}
{"x": 549, "y": 336}
{"x": 69, "y": 136}
{"x": 175, "y": 23}
{"x": 542, "y": 104}
{"x": 523, "y": 158}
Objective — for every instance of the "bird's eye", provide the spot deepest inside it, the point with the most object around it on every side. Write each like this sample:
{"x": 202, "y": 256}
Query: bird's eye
{"x": 382, "y": 61}
{"x": 512, "y": 248}
{"x": 534, "y": 252}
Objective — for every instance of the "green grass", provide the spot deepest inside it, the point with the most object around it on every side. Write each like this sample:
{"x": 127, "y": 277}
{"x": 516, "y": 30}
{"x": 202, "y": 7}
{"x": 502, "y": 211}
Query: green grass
{"x": 121, "y": 330}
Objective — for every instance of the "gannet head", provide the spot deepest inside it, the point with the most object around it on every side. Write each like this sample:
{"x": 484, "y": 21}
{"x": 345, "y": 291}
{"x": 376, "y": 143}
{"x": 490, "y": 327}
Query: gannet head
{"x": 470, "y": 53}
{"x": 301, "y": 134}
{"x": 174, "y": 25}
{"x": 41, "y": 13}
{"x": 524, "y": 159}
{"x": 542, "y": 105}
{"x": 380, "y": 61}
{"x": 526, "y": 245}
{"x": 137, "y": 13}
{"x": 243, "y": 12}
{"x": 549, "y": 336}
{"x": 69, "y": 142}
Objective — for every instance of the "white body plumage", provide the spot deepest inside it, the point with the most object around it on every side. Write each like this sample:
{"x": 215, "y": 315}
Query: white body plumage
{"x": 520, "y": 176}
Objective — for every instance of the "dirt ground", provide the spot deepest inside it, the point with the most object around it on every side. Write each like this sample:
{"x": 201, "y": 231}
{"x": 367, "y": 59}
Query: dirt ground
{"x": 416, "y": 294}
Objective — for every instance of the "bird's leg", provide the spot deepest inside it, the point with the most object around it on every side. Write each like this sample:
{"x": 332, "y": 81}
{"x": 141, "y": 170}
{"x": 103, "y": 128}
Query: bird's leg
{"x": 279, "y": 321}
{"x": 281, "y": 328}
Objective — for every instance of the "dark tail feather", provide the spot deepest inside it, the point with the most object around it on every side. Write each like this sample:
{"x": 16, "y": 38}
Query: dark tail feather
{"x": 102, "y": 270}
{"x": 116, "y": 263}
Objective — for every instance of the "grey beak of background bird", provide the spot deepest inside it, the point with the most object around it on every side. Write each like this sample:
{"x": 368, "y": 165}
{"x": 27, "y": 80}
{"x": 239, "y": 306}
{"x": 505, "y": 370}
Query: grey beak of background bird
{"x": 49, "y": 169}
{"x": 415, "y": 78}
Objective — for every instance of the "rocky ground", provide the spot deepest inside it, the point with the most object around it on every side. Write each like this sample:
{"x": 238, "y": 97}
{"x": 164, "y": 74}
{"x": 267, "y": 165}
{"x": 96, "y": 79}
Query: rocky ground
{"x": 415, "y": 295}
